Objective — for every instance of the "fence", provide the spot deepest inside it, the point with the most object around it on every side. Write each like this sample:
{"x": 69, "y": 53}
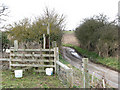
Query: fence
{"x": 82, "y": 78}
{"x": 44, "y": 58}
{"x": 40, "y": 58}
{"x": 65, "y": 74}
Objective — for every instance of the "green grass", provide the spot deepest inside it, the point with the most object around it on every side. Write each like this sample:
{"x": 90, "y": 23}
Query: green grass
{"x": 62, "y": 60}
{"x": 79, "y": 73}
{"x": 111, "y": 62}
{"x": 68, "y": 32}
{"x": 30, "y": 80}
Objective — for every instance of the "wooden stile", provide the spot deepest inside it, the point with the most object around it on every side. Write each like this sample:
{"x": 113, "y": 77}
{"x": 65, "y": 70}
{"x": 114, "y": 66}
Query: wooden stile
{"x": 32, "y": 57}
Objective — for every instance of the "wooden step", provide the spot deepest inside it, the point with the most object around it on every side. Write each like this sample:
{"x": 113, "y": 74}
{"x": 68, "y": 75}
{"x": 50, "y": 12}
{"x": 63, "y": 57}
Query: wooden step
{"x": 31, "y": 65}
{"x": 31, "y": 60}
{"x": 32, "y": 50}
{"x": 33, "y": 55}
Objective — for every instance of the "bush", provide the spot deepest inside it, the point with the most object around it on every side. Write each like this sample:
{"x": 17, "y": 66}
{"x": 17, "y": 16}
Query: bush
{"x": 99, "y": 35}
{"x": 25, "y": 31}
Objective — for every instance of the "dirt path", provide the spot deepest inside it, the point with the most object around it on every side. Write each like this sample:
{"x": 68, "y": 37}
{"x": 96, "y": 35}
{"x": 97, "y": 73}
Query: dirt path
{"x": 111, "y": 76}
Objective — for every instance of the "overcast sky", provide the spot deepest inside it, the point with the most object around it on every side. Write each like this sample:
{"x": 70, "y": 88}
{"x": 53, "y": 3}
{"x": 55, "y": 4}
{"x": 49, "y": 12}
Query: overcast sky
{"x": 74, "y": 10}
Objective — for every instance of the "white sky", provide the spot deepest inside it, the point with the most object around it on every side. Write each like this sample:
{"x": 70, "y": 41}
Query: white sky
{"x": 74, "y": 10}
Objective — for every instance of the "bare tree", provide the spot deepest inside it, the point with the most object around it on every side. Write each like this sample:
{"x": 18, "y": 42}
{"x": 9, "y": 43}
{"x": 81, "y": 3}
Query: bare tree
{"x": 3, "y": 13}
{"x": 3, "y": 37}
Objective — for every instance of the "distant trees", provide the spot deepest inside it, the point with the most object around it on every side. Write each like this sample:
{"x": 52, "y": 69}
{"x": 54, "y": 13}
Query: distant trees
{"x": 99, "y": 35}
{"x": 26, "y": 31}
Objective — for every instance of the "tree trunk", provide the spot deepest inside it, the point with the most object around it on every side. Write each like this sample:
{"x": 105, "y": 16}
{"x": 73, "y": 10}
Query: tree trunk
{"x": 98, "y": 50}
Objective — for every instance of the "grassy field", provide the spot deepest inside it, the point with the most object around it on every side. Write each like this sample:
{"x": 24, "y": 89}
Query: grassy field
{"x": 69, "y": 38}
{"x": 110, "y": 62}
{"x": 30, "y": 79}
{"x": 68, "y": 32}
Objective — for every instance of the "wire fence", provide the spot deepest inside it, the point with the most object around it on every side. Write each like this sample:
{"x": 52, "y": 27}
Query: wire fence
{"x": 73, "y": 77}
{"x": 80, "y": 81}
{"x": 65, "y": 74}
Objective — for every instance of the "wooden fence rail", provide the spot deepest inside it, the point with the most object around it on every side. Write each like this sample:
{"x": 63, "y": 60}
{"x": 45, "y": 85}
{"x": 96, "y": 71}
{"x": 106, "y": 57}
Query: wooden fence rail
{"x": 65, "y": 74}
{"x": 33, "y": 57}
{"x": 32, "y": 50}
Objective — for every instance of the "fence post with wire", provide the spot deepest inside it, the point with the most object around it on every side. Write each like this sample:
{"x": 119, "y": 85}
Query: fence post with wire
{"x": 85, "y": 73}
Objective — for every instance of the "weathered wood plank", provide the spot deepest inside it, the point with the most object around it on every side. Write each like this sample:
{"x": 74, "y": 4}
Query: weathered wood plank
{"x": 32, "y": 49}
{"x": 62, "y": 65}
{"x": 44, "y": 41}
{"x": 55, "y": 57}
{"x": 57, "y": 54}
{"x": 35, "y": 55}
{"x": 32, "y": 65}
{"x": 31, "y": 60}
{"x": 4, "y": 59}
{"x": 10, "y": 59}
{"x": 85, "y": 73}
{"x": 54, "y": 44}
{"x": 15, "y": 45}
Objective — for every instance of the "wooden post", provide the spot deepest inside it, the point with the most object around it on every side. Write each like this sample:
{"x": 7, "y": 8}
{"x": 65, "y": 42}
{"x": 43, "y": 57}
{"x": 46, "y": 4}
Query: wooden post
{"x": 57, "y": 54}
{"x": 103, "y": 83}
{"x": 55, "y": 57}
{"x": 44, "y": 41}
{"x": 33, "y": 55}
{"x": 15, "y": 51}
{"x": 10, "y": 57}
{"x": 15, "y": 45}
{"x": 47, "y": 42}
{"x": 93, "y": 77}
{"x": 54, "y": 44}
{"x": 85, "y": 73}
{"x": 10, "y": 60}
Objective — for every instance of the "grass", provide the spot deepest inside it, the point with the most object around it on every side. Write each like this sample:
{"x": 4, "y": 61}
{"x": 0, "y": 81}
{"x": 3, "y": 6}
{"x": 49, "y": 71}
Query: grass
{"x": 62, "y": 60}
{"x": 111, "y": 62}
{"x": 68, "y": 32}
{"x": 30, "y": 79}
{"x": 78, "y": 73}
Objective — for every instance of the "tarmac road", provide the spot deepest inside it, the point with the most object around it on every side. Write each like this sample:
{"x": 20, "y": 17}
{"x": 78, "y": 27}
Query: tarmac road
{"x": 111, "y": 76}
